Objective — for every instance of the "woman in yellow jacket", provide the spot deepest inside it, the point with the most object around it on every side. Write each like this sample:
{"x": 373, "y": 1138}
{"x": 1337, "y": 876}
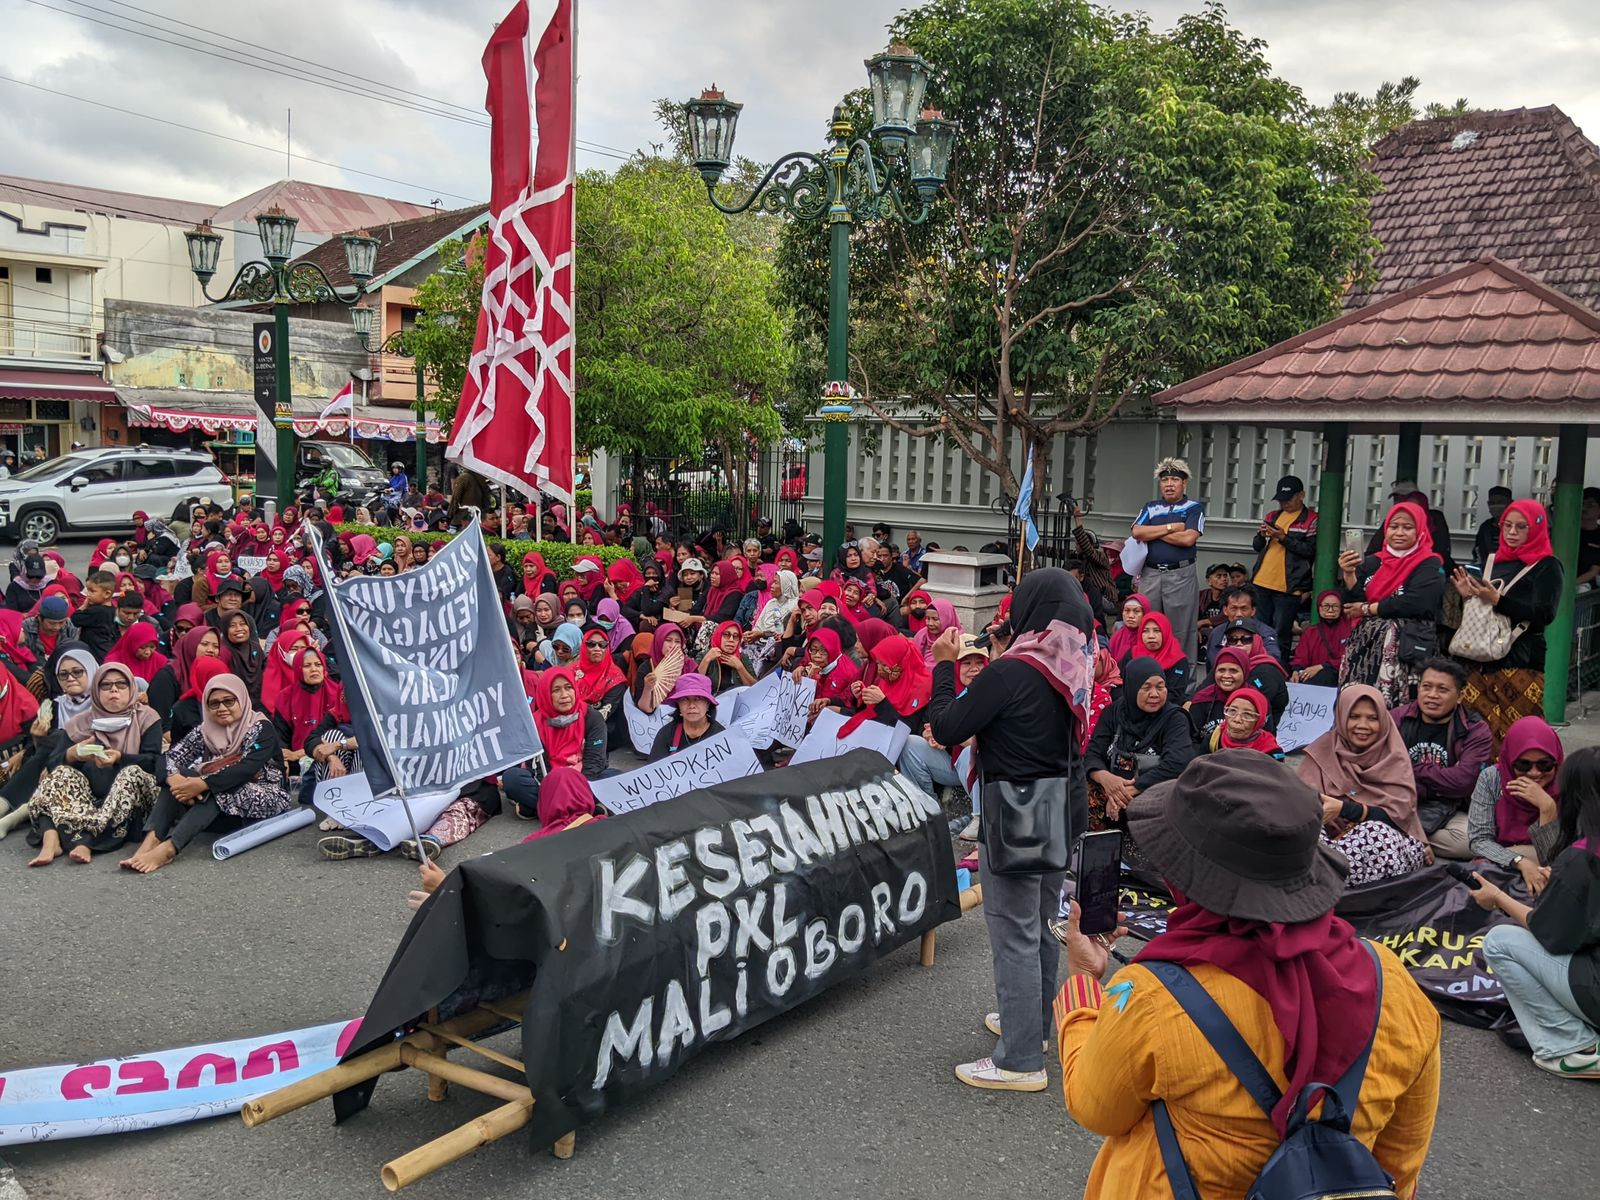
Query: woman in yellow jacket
{"x": 1236, "y": 839}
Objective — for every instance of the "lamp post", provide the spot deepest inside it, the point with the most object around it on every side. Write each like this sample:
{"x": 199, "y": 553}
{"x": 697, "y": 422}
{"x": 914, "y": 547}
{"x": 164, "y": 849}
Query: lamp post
{"x": 277, "y": 282}
{"x": 398, "y": 343}
{"x": 847, "y": 181}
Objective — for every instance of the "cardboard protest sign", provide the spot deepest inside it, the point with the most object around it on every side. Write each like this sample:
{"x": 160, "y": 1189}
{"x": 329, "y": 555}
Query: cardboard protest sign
{"x": 680, "y": 618}
{"x": 382, "y": 820}
{"x": 715, "y": 760}
{"x": 1308, "y": 717}
{"x": 254, "y": 564}
{"x": 163, "y": 1087}
{"x": 773, "y": 709}
{"x": 644, "y": 939}
{"x": 434, "y": 686}
{"x": 824, "y": 741}
{"x": 643, "y": 726}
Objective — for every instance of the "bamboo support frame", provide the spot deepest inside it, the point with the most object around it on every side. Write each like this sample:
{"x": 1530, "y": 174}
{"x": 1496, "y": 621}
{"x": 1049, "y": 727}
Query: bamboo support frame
{"x": 970, "y": 899}
{"x": 425, "y": 1050}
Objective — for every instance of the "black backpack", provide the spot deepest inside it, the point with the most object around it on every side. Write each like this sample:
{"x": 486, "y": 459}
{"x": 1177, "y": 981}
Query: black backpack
{"x": 1317, "y": 1160}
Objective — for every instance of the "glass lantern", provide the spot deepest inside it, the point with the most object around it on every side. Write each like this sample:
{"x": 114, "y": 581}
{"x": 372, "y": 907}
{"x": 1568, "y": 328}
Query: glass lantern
{"x": 205, "y": 245}
{"x": 712, "y": 120}
{"x": 360, "y": 254}
{"x": 931, "y": 145}
{"x": 276, "y": 228}
{"x": 898, "y": 78}
{"x": 362, "y": 316}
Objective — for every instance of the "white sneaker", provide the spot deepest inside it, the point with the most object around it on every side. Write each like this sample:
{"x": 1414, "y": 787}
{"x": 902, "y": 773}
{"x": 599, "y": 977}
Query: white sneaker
{"x": 984, "y": 1074}
{"x": 970, "y": 833}
{"x": 1580, "y": 1064}
{"x": 991, "y": 1022}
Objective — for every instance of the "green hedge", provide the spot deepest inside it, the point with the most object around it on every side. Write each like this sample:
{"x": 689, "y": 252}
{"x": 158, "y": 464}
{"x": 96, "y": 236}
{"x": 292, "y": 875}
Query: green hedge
{"x": 558, "y": 556}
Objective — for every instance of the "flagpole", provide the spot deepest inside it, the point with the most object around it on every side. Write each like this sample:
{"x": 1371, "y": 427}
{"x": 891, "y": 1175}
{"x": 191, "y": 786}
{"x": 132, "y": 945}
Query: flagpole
{"x": 361, "y": 685}
{"x": 572, "y": 266}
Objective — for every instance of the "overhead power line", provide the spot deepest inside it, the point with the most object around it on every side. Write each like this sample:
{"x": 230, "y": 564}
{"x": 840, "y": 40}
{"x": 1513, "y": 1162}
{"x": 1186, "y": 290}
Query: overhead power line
{"x": 321, "y": 162}
{"x": 383, "y": 94}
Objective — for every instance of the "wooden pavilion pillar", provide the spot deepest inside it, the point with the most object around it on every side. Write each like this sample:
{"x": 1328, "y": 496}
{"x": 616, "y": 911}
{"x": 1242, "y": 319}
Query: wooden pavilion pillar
{"x": 1567, "y": 507}
{"x": 1408, "y": 454}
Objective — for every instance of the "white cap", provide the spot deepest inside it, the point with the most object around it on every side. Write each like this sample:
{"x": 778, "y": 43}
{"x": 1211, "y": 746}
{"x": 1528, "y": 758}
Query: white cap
{"x": 584, "y": 566}
{"x": 692, "y": 564}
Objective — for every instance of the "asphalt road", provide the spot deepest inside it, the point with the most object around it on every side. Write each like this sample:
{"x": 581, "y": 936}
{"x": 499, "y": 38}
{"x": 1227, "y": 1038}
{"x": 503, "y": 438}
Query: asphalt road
{"x": 851, "y": 1095}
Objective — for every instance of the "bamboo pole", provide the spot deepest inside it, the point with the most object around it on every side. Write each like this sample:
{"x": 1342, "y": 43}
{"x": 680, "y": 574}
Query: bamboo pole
{"x": 929, "y": 940}
{"x": 322, "y": 1085}
{"x": 437, "y": 1065}
{"x": 971, "y": 897}
{"x": 458, "y": 1143}
{"x": 564, "y": 1145}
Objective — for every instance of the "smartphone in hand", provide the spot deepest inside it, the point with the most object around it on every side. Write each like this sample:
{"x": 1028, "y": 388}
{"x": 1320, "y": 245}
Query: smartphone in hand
{"x": 1098, "y": 871}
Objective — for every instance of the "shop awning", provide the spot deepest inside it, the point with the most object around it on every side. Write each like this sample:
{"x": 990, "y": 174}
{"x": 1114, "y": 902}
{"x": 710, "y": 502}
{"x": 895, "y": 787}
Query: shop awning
{"x": 56, "y": 385}
{"x": 183, "y": 410}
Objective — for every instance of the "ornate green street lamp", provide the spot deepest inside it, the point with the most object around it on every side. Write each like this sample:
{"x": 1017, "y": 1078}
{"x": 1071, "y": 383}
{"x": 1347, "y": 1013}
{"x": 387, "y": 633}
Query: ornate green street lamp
{"x": 276, "y": 282}
{"x": 849, "y": 180}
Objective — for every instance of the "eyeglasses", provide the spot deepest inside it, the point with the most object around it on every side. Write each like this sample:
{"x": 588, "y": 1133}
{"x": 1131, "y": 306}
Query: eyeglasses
{"x": 221, "y": 702}
{"x": 80, "y": 673}
{"x": 1525, "y": 766}
{"x": 597, "y": 644}
{"x": 1236, "y": 711}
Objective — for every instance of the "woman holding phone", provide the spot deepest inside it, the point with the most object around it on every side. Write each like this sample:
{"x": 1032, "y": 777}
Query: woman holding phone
{"x": 1397, "y": 595}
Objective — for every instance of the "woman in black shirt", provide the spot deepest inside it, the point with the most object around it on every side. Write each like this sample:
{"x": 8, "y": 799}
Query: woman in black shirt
{"x": 1548, "y": 961}
{"x": 693, "y": 722}
{"x": 1028, "y": 713}
{"x": 1141, "y": 740}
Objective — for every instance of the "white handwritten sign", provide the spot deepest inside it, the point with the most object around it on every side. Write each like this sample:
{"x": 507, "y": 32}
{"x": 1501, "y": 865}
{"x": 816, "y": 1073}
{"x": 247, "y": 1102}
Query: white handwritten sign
{"x": 1308, "y": 717}
{"x": 348, "y": 799}
{"x": 824, "y": 741}
{"x": 715, "y": 760}
{"x": 252, "y": 563}
{"x": 642, "y": 727}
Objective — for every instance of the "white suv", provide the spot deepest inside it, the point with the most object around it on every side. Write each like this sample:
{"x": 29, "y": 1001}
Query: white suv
{"x": 97, "y": 491}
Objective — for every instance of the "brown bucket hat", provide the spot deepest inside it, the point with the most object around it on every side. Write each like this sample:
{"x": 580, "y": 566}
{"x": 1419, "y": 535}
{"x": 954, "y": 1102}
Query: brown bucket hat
{"x": 1236, "y": 833}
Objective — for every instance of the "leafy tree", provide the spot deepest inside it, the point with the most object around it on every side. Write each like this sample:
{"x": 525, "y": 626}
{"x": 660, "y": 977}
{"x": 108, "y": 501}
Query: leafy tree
{"x": 1126, "y": 208}
{"x": 680, "y": 343}
{"x": 447, "y": 321}
{"x": 1363, "y": 121}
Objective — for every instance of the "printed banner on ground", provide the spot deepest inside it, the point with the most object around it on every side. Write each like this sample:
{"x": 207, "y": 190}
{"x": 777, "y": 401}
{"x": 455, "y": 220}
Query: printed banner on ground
{"x": 643, "y": 726}
{"x": 445, "y": 688}
{"x": 1428, "y": 918}
{"x": 824, "y": 740}
{"x": 715, "y": 760}
{"x": 382, "y": 820}
{"x": 644, "y": 939}
{"x": 1308, "y": 717}
{"x": 168, "y": 1087}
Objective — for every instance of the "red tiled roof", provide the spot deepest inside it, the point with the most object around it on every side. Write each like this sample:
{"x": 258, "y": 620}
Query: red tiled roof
{"x": 398, "y": 242}
{"x": 1522, "y": 186}
{"x": 1481, "y": 335}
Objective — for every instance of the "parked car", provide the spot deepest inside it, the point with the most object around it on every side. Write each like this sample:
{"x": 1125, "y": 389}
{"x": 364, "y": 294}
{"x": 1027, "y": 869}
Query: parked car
{"x": 97, "y": 491}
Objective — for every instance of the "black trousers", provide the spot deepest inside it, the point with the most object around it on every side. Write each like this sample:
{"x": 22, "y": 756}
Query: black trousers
{"x": 178, "y": 823}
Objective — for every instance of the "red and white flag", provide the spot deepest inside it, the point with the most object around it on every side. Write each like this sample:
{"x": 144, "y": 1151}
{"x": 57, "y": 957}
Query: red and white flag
{"x": 514, "y": 424}
{"x": 344, "y": 400}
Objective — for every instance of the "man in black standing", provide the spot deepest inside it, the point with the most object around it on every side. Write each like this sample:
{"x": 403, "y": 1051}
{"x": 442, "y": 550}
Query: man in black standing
{"x": 1285, "y": 544}
{"x": 1488, "y": 536}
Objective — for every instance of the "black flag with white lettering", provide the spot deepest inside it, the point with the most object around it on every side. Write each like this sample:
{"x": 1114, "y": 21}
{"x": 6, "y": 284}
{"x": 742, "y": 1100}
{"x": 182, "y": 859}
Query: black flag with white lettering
{"x": 642, "y": 939}
{"x": 434, "y": 685}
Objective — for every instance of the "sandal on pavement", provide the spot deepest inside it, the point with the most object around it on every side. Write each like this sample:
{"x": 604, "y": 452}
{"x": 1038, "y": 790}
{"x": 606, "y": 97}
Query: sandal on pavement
{"x": 984, "y": 1074}
{"x": 991, "y": 1022}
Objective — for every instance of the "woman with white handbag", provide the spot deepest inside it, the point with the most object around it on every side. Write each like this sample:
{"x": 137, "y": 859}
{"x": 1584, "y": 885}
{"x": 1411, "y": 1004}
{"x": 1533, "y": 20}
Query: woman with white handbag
{"x": 1503, "y": 619}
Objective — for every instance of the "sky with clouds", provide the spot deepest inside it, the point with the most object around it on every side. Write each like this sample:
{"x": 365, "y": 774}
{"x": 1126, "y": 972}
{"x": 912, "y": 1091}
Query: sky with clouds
{"x": 787, "y": 61}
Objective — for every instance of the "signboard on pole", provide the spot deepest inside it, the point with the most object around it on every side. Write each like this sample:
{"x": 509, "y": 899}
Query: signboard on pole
{"x": 264, "y": 356}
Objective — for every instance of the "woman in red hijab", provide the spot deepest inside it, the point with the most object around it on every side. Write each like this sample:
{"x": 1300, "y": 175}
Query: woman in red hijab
{"x": 1157, "y": 641}
{"x": 1244, "y": 726}
{"x": 896, "y": 685}
{"x": 537, "y": 579}
{"x": 572, "y": 733}
{"x": 587, "y": 582}
{"x": 827, "y": 664}
{"x": 1321, "y": 647}
{"x": 566, "y": 801}
{"x": 1522, "y": 582}
{"x": 281, "y": 671}
{"x": 1397, "y": 595}
{"x": 136, "y": 650}
{"x": 313, "y": 719}
{"x": 625, "y": 579}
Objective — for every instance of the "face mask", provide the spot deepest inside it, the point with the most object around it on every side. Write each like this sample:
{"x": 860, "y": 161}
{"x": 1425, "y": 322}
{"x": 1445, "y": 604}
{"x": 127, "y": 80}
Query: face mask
{"x": 123, "y": 560}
